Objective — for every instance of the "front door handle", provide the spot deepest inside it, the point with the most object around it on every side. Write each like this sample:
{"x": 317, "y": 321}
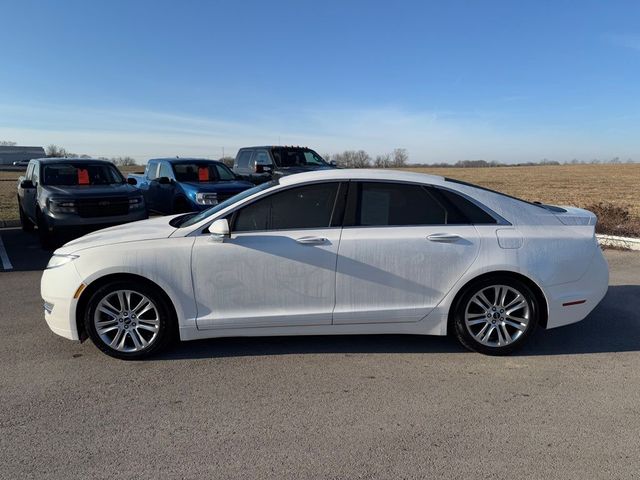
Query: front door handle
{"x": 443, "y": 237}
{"x": 311, "y": 240}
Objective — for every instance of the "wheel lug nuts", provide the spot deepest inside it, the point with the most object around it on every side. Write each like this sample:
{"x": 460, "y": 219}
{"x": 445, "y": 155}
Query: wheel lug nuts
{"x": 493, "y": 308}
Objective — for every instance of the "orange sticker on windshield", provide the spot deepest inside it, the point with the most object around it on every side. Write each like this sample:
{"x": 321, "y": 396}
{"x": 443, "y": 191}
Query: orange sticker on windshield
{"x": 203, "y": 174}
{"x": 83, "y": 176}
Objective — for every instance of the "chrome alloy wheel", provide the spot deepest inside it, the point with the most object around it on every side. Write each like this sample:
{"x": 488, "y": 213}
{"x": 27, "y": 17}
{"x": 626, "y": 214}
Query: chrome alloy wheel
{"x": 127, "y": 321}
{"x": 497, "y": 315}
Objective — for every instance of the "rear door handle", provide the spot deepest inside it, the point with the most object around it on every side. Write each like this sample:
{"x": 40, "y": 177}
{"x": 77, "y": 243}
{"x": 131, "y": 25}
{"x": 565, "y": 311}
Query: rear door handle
{"x": 443, "y": 237}
{"x": 311, "y": 240}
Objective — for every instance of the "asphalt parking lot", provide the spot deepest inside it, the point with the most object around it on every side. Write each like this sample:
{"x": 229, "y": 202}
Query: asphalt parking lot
{"x": 567, "y": 407}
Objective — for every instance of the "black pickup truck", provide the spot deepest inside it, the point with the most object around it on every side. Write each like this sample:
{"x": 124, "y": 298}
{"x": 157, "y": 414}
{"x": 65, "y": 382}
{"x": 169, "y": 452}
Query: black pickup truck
{"x": 261, "y": 164}
{"x": 75, "y": 194}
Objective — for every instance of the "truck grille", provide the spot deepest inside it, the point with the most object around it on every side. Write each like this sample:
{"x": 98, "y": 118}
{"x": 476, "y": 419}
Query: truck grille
{"x": 103, "y": 207}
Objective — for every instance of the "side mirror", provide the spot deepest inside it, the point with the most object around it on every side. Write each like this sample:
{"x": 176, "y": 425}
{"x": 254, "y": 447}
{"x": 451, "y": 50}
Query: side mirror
{"x": 333, "y": 163}
{"x": 132, "y": 181}
{"x": 164, "y": 180}
{"x": 219, "y": 229}
{"x": 26, "y": 184}
{"x": 263, "y": 168}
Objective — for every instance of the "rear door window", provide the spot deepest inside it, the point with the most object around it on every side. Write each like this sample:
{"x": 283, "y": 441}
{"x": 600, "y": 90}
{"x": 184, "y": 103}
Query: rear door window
{"x": 392, "y": 204}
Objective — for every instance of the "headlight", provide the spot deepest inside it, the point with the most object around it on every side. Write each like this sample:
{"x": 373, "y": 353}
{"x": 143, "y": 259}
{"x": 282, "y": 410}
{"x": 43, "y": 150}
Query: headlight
{"x": 135, "y": 203}
{"x": 207, "y": 198}
{"x": 59, "y": 260}
{"x": 59, "y": 205}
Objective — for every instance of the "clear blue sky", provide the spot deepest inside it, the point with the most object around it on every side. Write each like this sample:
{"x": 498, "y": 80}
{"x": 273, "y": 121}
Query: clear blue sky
{"x": 448, "y": 80}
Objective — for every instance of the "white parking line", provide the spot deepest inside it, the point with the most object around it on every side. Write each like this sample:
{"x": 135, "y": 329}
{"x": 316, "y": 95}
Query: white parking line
{"x": 6, "y": 263}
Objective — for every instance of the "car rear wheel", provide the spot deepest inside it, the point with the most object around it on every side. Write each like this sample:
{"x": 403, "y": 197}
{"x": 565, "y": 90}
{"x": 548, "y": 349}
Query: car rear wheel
{"x": 128, "y": 320}
{"x": 25, "y": 223}
{"x": 496, "y": 315}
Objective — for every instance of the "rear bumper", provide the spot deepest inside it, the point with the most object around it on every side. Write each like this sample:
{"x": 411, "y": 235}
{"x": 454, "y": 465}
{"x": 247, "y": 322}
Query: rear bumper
{"x": 571, "y": 302}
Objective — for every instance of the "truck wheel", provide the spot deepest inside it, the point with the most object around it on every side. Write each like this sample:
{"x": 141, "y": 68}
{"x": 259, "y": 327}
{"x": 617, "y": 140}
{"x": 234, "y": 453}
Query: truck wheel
{"x": 46, "y": 237}
{"x": 25, "y": 223}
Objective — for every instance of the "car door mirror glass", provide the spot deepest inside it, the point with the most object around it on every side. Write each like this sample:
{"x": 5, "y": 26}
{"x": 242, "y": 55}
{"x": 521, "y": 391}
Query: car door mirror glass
{"x": 25, "y": 184}
{"x": 164, "y": 180}
{"x": 132, "y": 181}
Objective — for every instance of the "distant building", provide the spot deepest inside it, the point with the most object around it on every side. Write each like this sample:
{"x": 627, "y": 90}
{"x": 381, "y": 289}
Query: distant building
{"x": 8, "y": 155}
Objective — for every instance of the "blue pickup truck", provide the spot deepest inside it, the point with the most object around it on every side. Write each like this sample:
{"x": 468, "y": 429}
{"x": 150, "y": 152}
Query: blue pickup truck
{"x": 179, "y": 185}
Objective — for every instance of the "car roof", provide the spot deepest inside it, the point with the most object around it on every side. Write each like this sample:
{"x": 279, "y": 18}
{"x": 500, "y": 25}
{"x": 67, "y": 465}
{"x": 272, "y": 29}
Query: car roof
{"x": 362, "y": 174}
{"x": 55, "y": 160}
{"x": 278, "y": 146}
{"x": 185, "y": 160}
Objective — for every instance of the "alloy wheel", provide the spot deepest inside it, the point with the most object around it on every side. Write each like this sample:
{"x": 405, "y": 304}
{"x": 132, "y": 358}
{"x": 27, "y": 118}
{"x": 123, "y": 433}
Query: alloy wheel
{"x": 497, "y": 315}
{"x": 127, "y": 321}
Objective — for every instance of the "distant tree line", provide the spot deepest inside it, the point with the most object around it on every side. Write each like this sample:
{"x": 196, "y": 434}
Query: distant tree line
{"x": 360, "y": 159}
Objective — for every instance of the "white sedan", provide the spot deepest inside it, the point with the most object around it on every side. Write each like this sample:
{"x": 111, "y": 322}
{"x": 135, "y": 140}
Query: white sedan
{"x": 332, "y": 252}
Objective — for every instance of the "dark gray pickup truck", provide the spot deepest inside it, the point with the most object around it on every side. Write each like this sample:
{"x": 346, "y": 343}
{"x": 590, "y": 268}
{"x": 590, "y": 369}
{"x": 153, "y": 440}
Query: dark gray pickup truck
{"x": 261, "y": 164}
{"x": 74, "y": 194}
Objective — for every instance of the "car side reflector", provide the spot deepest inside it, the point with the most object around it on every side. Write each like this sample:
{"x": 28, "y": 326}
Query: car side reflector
{"x": 79, "y": 290}
{"x": 577, "y": 302}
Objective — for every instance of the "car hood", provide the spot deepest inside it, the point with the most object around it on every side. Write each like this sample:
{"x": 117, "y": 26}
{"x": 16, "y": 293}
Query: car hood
{"x": 222, "y": 186}
{"x": 151, "y": 229}
{"x": 85, "y": 191}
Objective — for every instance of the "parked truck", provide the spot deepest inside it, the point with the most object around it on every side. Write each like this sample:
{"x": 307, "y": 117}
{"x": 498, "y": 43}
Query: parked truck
{"x": 179, "y": 185}
{"x": 66, "y": 195}
{"x": 261, "y": 164}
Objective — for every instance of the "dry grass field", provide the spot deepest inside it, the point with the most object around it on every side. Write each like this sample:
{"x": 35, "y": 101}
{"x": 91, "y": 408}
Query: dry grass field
{"x": 579, "y": 185}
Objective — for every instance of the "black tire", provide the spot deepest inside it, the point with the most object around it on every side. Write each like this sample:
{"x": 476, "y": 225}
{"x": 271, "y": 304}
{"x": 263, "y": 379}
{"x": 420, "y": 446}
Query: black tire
{"x": 26, "y": 224}
{"x": 166, "y": 324}
{"x": 470, "y": 336}
{"x": 45, "y": 236}
{"x": 180, "y": 205}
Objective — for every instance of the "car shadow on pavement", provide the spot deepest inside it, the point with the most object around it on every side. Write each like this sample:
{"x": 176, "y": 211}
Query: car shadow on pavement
{"x": 614, "y": 326}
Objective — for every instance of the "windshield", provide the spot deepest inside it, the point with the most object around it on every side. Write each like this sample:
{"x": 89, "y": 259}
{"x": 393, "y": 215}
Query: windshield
{"x": 297, "y": 157}
{"x": 202, "y": 172}
{"x": 192, "y": 219}
{"x": 72, "y": 174}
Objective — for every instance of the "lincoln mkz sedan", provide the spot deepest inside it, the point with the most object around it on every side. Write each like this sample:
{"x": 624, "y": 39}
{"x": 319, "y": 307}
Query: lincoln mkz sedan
{"x": 332, "y": 252}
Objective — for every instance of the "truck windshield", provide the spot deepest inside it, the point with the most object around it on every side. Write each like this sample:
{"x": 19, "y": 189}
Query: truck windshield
{"x": 201, "y": 172}
{"x": 72, "y": 174}
{"x": 191, "y": 218}
{"x": 297, "y": 157}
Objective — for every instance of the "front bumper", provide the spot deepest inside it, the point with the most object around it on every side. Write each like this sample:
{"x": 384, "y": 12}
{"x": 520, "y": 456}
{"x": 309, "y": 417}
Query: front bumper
{"x": 563, "y": 299}
{"x": 57, "y": 288}
{"x": 73, "y": 221}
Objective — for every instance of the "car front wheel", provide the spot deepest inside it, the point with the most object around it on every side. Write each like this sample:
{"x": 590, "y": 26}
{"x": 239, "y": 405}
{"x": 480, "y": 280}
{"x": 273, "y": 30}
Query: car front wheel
{"x": 496, "y": 315}
{"x": 128, "y": 320}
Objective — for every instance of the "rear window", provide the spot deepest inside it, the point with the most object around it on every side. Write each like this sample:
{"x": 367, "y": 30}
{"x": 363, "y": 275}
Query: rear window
{"x": 296, "y": 157}
{"x": 201, "y": 172}
{"x": 72, "y": 174}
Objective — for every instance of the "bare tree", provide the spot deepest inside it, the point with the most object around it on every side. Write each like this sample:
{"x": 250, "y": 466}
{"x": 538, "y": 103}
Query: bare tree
{"x": 7, "y": 143}
{"x": 55, "y": 151}
{"x": 382, "y": 161}
{"x": 124, "y": 161}
{"x": 353, "y": 159}
{"x": 400, "y": 157}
